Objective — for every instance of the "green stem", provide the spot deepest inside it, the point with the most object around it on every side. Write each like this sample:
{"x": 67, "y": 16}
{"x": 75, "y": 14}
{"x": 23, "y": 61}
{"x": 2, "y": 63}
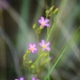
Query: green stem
{"x": 48, "y": 52}
{"x": 50, "y": 33}
{"x": 60, "y": 56}
{"x": 38, "y": 58}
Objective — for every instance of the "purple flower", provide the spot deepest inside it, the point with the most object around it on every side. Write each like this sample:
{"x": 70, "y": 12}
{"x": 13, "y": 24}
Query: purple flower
{"x": 32, "y": 48}
{"x": 45, "y": 45}
{"x": 20, "y": 78}
{"x": 44, "y": 22}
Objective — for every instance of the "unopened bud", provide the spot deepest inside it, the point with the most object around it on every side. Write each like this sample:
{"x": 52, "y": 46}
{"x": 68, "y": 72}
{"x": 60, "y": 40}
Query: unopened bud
{"x": 55, "y": 11}
{"x": 51, "y": 8}
{"x": 34, "y": 26}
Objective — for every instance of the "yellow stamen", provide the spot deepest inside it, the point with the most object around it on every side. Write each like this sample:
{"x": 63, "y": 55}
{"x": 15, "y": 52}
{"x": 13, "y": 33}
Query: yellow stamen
{"x": 44, "y": 46}
{"x": 43, "y": 23}
{"x": 32, "y": 48}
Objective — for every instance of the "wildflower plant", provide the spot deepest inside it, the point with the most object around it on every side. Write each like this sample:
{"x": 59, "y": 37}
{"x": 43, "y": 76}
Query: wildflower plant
{"x": 43, "y": 47}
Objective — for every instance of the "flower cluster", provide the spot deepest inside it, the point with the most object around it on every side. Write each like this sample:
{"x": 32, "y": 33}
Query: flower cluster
{"x": 33, "y": 48}
{"x": 43, "y": 44}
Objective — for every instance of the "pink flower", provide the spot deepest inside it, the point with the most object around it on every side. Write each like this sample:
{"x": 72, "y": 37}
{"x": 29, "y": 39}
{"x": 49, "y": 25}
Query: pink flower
{"x": 33, "y": 78}
{"x": 44, "y": 22}
{"x": 20, "y": 78}
{"x": 32, "y": 48}
{"x": 45, "y": 45}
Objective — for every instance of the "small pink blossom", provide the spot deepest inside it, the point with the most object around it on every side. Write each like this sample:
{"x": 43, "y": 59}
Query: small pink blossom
{"x": 44, "y": 22}
{"x": 32, "y": 48}
{"x": 45, "y": 45}
{"x": 20, "y": 78}
{"x": 33, "y": 78}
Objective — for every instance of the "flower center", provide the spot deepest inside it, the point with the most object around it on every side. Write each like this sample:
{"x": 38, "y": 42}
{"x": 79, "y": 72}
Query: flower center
{"x": 43, "y": 23}
{"x": 44, "y": 46}
{"x": 32, "y": 48}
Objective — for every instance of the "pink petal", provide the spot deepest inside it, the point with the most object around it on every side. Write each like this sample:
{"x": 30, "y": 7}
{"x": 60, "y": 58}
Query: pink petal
{"x": 33, "y": 78}
{"x": 43, "y": 41}
{"x": 30, "y": 45}
{"x": 39, "y": 21}
{"x": 29, "y": 48}
{"x": 21, "y": 78}
{"x": 43, "y": 25}
{"x": 42, "y": 19}
{"x": 48, "y": 43}
{"x": 48, "y": 48}
{"x": 35, "y": 49}
{"x": 47, "y": 20}
{"x": 34, "y": 45}
{"x": 48, "y": 25}
{"x": 40, "y": 44}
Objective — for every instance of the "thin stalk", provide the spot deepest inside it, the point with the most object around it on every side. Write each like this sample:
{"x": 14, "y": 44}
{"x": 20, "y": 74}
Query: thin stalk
{"x": 67, "y": 45}
{"x": 48, "y": 30}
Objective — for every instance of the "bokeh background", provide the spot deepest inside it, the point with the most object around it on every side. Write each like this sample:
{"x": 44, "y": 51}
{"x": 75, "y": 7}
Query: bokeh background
{"x": 16, "y": 20}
